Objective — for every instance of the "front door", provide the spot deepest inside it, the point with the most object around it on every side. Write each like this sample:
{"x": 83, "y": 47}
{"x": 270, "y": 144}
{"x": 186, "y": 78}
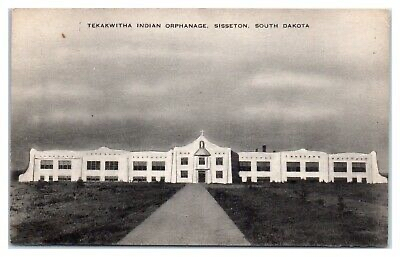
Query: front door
{"x": 202, "y": 176}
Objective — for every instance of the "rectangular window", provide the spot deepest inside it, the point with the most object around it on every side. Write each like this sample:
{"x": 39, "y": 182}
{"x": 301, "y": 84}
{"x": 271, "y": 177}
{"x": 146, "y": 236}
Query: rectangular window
{"x": 359, "y": 167}
{"x": 41, "y": 178}
{"x": 139, "y": 179}
{"x": 263, "y": 166}
{"x": 111, "y": 165}
{"x": 50, "y": 178}
{"x": 64, "y": 165}
{"x": 64, "y": 178}
{"x": 263, "y": 179}
{"x": 293, "y": 166}
{"x": 184, "y": 174}
{"x": 219, "y": 174}
{"x": 93, "y": 165}
{"x": 158, "y": 165}
{"x": 340, "y": 180}
{"x": 184, "y": 161}
{"x": 153, "y": 179}
{"x": 202, "y": 161}
{"x": 245, "y": 166}
{"x": 312, "y": 166}
{"x": 340, "y": 167}
{"x": 111, "y": 178}
{"x": 139, "y": 165}
{"x": 46, "y": 164}
{"x": 219, "y": 161}
{"x": 92, "y": 178}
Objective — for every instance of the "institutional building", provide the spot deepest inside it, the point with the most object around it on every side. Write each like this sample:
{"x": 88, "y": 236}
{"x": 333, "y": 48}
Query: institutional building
{"x": 201, "y": 162}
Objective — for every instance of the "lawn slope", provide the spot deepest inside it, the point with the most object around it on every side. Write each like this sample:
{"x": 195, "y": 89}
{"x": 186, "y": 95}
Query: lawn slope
{"x": 308, "y": 214}
{"x": 81, "y": 214}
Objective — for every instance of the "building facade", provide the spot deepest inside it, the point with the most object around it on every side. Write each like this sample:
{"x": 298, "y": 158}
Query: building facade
{"x": 201, "y": 162}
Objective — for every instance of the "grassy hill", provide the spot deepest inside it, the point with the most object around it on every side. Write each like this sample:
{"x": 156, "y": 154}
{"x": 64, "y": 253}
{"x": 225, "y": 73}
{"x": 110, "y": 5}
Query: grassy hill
{"x": 81, "y": 214}
{"x": 308, "y": 214}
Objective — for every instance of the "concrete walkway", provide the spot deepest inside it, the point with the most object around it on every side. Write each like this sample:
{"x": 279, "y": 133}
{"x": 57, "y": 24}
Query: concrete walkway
{"x": 190, "y": 217}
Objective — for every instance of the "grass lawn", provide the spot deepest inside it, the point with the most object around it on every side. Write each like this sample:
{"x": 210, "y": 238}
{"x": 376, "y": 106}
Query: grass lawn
{"x": 92, "y": 214}
{"x": 308, "y": 214}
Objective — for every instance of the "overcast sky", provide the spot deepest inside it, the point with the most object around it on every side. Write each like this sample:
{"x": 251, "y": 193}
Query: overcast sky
{"x": 321, "y": 88}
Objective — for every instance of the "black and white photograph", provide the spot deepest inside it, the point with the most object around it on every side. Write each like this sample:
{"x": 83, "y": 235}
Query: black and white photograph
{"x": 199, "y": 127}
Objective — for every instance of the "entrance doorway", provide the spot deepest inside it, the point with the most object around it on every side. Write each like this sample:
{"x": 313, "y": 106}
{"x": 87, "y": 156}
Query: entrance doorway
{"x": 202, "y": 176}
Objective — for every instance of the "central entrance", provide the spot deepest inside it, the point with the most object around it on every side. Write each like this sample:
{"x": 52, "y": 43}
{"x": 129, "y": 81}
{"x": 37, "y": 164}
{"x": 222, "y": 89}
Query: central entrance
{"x": 202, "y": 176}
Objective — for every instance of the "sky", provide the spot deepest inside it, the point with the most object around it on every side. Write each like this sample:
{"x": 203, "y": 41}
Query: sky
{"x": 323, "y": 88}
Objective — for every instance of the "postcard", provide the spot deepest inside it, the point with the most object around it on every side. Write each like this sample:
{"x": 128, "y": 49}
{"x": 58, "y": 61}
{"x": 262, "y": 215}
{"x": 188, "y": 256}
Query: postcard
{"x": 199, "y": 127}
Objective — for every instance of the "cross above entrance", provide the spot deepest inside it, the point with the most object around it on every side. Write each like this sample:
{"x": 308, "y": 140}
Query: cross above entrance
{"x": 202, "y": 132}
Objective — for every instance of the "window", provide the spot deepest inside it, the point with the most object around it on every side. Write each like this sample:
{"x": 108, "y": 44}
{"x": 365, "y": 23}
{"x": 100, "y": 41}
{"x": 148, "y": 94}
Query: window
{"x": 359, "y": 167}
{"x": 340, "y": 180}
{"x": 184, "y": 174}
{"x": 50, "y": 178}
{"x": 219, "y": 174}
{"x": 184, "y": 161}
{"x": 312, "y": 166}
{"x": 92, "y": 178}
{"x": 111, "y": 165}
{"x": 46, "y": 164}
{"x": 263, "y": 179}
{"x": 263, "y": 166}
{"x": 64, "y": 178}
{"x": 158, "y": 166}
{"x": 293, "y": 166}
{"x": 111, "y": 178}
{"x": 202, "y": 161}
{"x": 245, "y": 166}
{"x": 64, "y": 165}
{"x": 41, "y": 178}
{"x": 153, "y": 179}
{"x": 219, "y": 161}
{"x": 93, "y": 165}
{"x": 139, "y": 165}
{"x": 340, "y": 167}
{"x": 139, "y": 179}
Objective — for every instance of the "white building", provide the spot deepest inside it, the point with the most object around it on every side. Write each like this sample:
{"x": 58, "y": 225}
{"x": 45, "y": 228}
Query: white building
{"x": 201, "y": 162}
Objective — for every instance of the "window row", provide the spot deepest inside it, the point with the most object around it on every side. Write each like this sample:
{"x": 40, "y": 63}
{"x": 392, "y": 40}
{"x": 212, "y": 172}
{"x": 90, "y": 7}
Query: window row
{"x": 337, "y": 166}
{"x": 310, "y": 166}
{"x": 66, "y": 165}
{"x": 144, "y": 179}
{"x": 355, "y": 166}
{"x": 137, "y": 165}
{"x": 88, "y": 178}
{"x": 295, "y": 166}
{"x": 202, "y": 161}
{"x": 218, "y": 174}
{"x": 106, "y": 178}
{"x": 261, "y": 166}
{"x": 62, "y": 164}
{"x": 155, "y": 165}
{"x": 60, "y": 178}
{"x": 95, "y": 165}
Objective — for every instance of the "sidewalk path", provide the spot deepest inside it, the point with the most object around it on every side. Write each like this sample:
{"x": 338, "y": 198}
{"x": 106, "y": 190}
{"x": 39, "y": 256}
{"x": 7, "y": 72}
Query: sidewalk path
{"x": 190, "y": 217}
